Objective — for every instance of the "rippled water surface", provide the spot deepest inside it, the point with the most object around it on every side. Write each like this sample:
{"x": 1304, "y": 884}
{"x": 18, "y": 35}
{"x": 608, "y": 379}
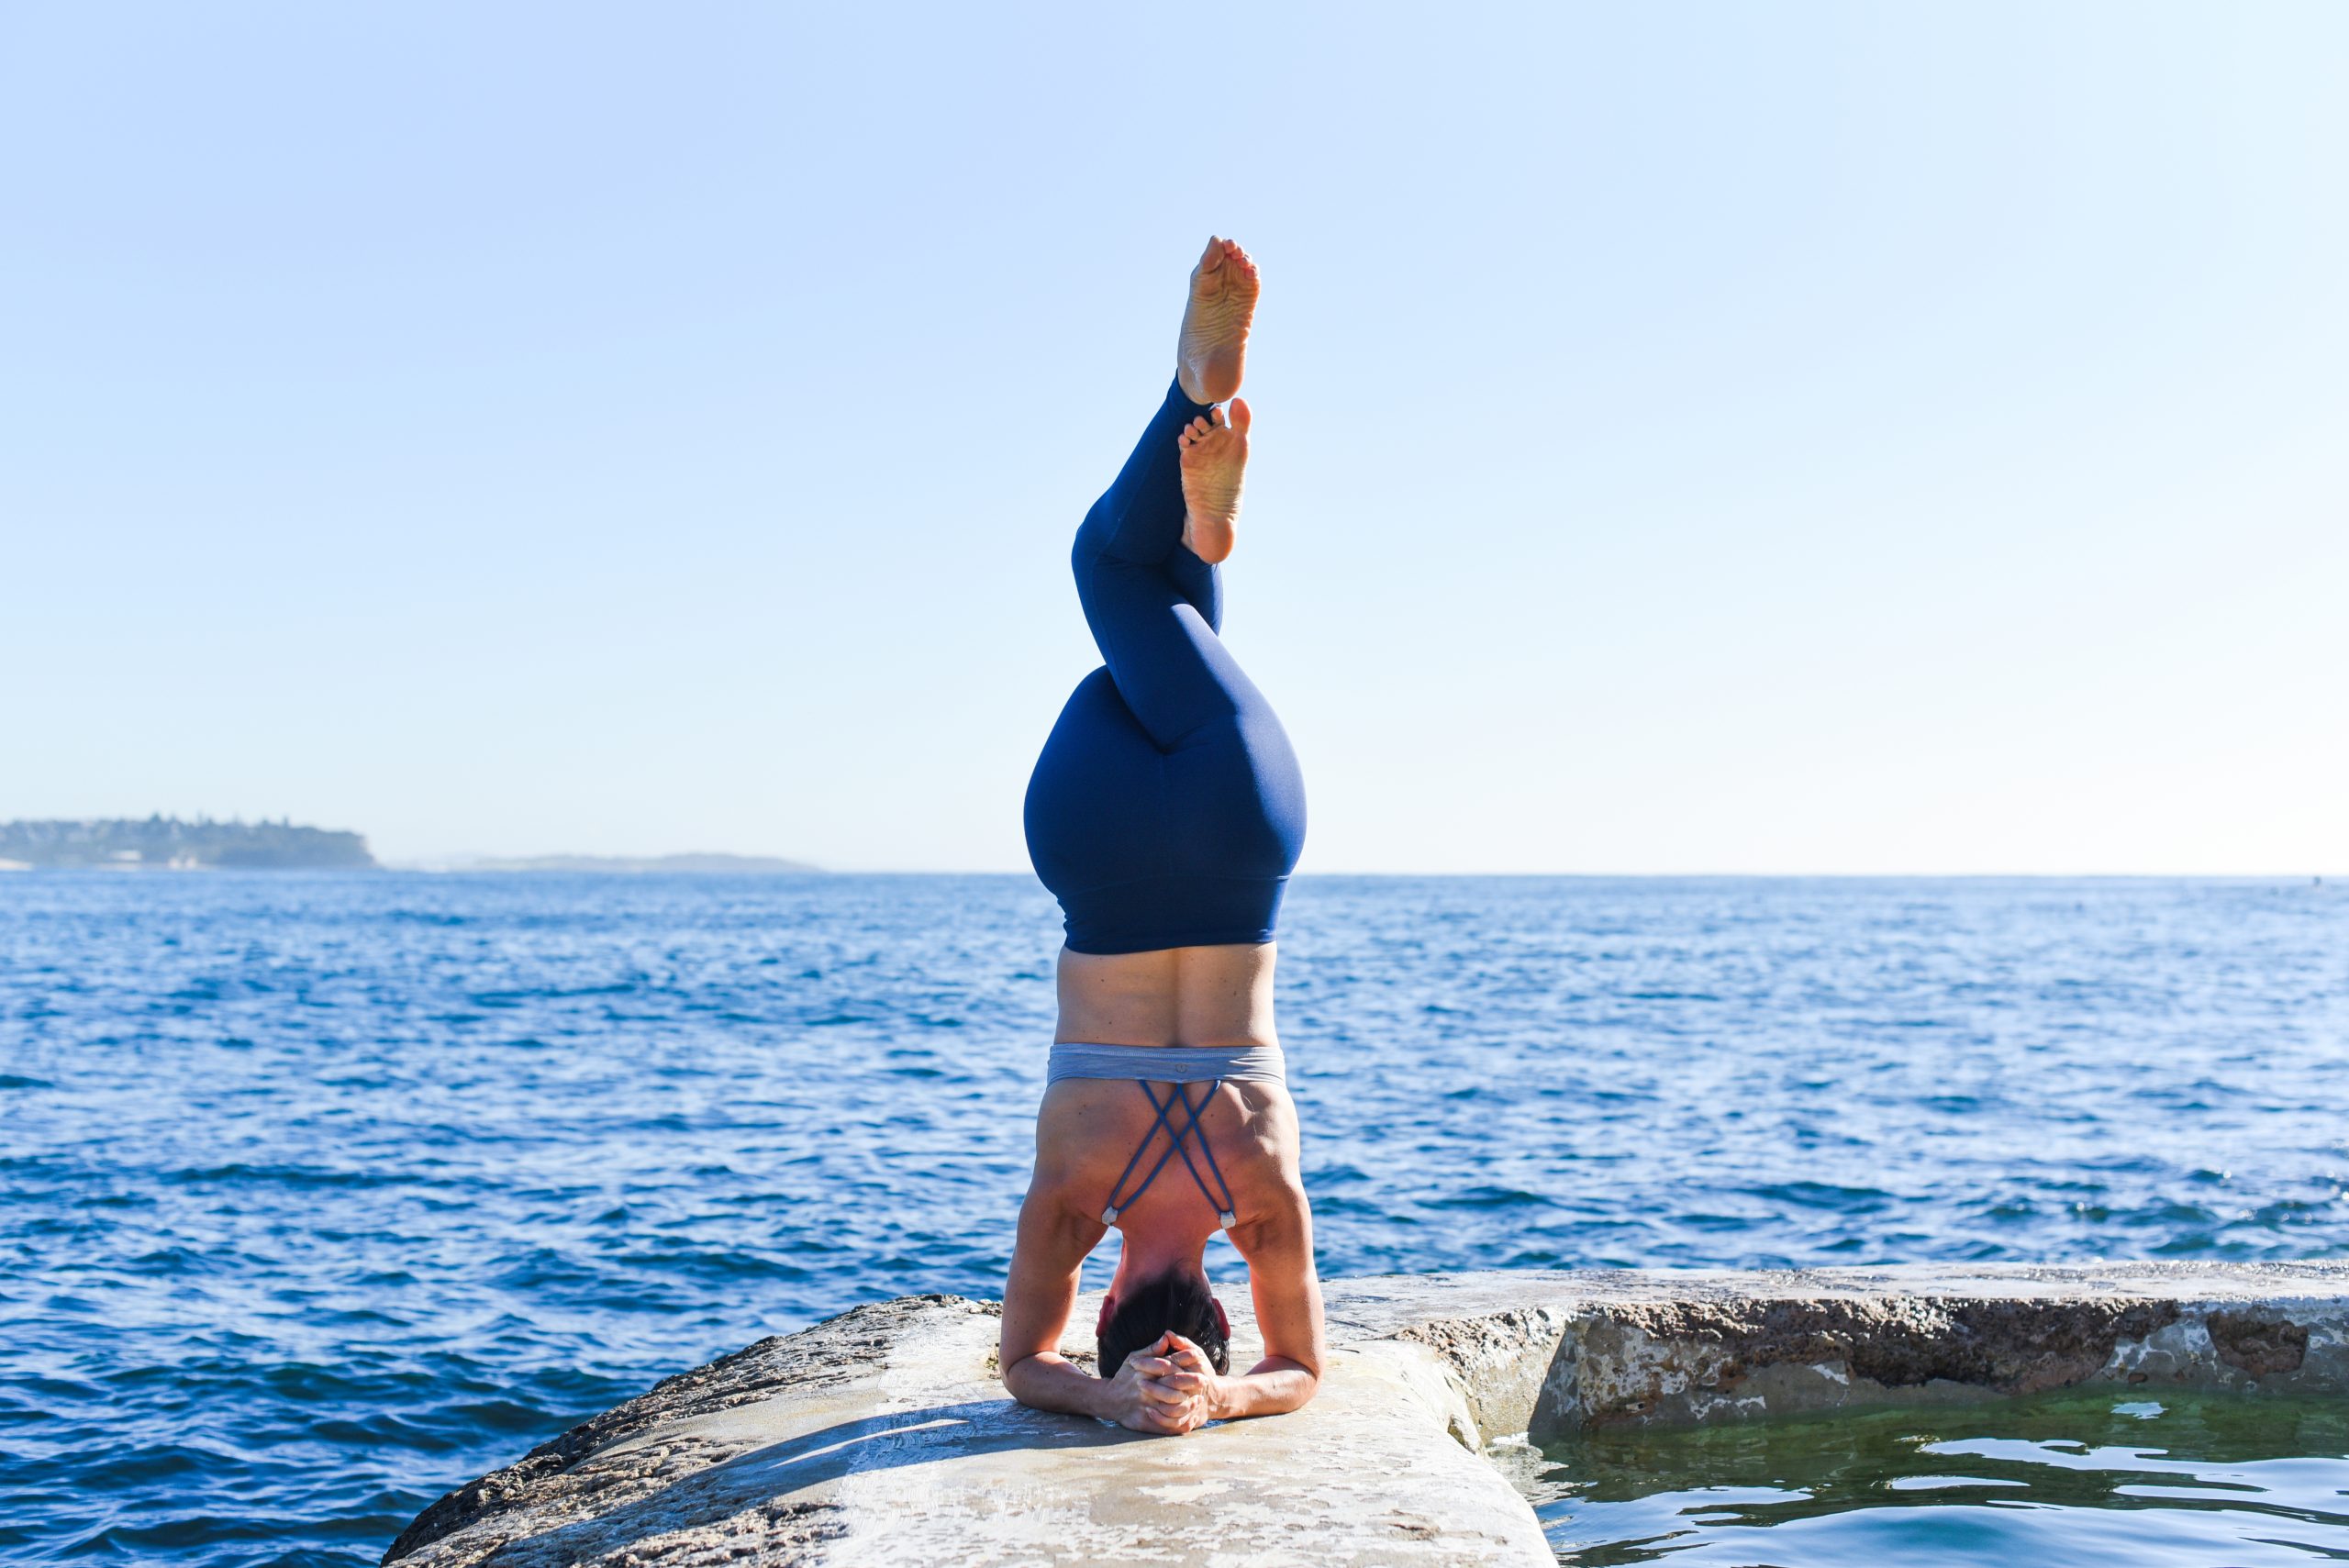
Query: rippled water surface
{"x": 2073, "y": 1480}
{"x": 321, "y": 1195}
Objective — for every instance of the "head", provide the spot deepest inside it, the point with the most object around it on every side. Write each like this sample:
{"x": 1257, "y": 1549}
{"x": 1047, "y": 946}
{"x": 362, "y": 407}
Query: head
{"x": 1136, "y": 1314}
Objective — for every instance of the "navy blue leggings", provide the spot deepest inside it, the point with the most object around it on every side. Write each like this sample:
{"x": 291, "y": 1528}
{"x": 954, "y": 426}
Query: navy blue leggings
{"x": 1167, "y": 809}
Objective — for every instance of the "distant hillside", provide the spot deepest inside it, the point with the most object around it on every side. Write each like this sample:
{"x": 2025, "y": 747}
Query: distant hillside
{"x": 168, "y": 843}
{"x": 699, "y": 865}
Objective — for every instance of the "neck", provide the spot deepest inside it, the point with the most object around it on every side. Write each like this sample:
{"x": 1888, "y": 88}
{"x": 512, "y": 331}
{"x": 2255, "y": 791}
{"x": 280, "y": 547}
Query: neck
{"x": 1147, "y": 1254}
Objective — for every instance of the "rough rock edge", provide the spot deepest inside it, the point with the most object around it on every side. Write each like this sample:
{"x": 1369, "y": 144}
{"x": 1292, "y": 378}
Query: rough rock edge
{"x": 813, "y": 1358}
{"x": 2259, "y": 1343}
{"x": 2004, "y": 1345}
{"x": 1545, "y": 1373}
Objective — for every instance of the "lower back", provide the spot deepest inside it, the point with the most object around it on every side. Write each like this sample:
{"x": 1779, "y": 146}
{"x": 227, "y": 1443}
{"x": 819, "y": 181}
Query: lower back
{"x": 1218, "y": 995}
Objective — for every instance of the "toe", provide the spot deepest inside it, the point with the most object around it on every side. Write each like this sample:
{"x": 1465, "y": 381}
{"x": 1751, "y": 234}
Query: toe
{"x": 1240, "y": 415}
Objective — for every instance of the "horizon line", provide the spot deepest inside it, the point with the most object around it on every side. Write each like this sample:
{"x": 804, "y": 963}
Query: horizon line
{"x": 424, "y": 865}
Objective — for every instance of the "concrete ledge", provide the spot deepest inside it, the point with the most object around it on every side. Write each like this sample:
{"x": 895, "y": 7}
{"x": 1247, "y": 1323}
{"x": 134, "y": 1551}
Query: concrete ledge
{"x": 880, "y": 1436}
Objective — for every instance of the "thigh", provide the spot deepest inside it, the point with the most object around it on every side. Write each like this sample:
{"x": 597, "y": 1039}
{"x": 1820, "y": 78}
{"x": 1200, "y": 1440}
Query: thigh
{"x": 1095, "y": 810}
{"x": 1171, "y": 668}
{"x": 1235, "y": 799}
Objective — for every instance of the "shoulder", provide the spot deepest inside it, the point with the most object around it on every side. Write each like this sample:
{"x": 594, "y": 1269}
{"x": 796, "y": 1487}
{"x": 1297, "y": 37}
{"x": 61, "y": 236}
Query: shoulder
{"x": 1276, "y": 1222}
{"x": 1061, "y": 1197}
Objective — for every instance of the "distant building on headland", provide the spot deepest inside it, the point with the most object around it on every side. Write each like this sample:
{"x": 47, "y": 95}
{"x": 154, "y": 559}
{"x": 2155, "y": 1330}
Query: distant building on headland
{"x": 166, "y": 843}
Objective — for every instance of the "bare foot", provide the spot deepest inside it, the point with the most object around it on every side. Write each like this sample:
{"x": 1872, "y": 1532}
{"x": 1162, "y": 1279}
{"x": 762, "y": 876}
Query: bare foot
{"x": 1215, "y": 451}
{"x": 1209, "y": 355}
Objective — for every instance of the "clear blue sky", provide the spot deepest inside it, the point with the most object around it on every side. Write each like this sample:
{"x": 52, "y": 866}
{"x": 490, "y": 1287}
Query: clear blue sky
{"x": 1689, "y": 437}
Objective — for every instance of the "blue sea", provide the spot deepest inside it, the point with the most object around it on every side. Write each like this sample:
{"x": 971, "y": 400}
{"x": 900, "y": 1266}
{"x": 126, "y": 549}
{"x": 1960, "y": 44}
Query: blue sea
{"x": 321, "y": 1195}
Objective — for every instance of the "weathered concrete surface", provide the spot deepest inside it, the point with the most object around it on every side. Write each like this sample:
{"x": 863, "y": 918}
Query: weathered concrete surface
{"x": 882, "y": 1436}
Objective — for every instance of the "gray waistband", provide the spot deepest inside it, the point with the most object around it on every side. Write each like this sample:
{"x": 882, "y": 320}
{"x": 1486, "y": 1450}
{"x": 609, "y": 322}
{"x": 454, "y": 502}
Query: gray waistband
{"x": 1167, "y": 1064}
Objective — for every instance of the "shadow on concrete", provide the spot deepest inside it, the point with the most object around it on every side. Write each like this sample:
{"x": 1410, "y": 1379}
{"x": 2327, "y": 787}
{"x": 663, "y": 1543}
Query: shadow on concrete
{"x": 774, "y": 1480}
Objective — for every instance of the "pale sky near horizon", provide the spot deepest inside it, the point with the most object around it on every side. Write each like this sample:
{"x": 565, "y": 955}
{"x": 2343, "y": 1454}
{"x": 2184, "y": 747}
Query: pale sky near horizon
{"x": 1758, "y": 437}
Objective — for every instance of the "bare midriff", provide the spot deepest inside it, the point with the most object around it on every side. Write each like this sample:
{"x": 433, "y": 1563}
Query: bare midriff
{"x": 1218, "y": 995}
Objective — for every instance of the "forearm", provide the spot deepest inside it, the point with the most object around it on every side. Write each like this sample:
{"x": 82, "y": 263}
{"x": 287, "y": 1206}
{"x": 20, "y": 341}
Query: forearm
{"x": 1050, "y": 1382}
{"x": 1272, "y": 1387}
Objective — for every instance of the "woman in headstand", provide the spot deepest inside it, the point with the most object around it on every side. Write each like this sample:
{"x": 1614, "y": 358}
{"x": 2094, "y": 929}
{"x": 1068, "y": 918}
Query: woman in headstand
{"x": 1165, "y": 814}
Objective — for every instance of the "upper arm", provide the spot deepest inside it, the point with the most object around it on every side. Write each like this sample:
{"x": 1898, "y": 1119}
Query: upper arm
{"x": 1041, "y": 1292}
{"x": 1286, "y": 1290}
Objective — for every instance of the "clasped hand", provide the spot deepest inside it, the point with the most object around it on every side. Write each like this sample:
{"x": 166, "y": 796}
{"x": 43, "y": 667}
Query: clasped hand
{"x": 1169, "y": 1389}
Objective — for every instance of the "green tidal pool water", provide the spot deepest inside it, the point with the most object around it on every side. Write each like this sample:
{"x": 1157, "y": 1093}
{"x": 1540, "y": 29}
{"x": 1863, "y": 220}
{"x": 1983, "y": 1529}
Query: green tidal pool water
{"x": 2052, "y": 1481}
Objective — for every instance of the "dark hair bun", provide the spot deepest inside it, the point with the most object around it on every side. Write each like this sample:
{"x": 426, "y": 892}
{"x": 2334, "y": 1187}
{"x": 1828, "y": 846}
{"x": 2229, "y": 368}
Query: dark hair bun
{"x": 1178, "y": 1301}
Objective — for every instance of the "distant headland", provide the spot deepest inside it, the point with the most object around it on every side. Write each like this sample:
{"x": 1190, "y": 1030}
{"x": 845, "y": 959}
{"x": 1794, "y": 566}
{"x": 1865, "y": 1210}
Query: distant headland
{"x": 166, "y": 843}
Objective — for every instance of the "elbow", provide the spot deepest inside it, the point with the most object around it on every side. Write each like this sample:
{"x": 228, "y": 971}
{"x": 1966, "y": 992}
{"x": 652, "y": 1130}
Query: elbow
{"x": 1288, "y": 1382}
{"x": 1306, "y": 1367}
{"x": 1045, "y": 1382}
{"x": 1021, "y": 1380}
{"x": 1308, "y": 1384}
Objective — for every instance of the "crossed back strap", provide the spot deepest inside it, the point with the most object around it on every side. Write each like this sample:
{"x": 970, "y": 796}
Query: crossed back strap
{"x": 1224, "y": 1207}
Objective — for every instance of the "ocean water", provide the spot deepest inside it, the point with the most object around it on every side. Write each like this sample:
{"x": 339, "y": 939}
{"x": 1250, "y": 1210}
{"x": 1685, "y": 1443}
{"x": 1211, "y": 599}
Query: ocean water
{"x": 320, "y": 1195}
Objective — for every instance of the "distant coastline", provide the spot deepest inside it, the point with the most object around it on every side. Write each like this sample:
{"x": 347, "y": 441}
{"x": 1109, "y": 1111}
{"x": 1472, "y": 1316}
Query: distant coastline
{"x": 167, "y": 844}
{"x": 628, "y": 865}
